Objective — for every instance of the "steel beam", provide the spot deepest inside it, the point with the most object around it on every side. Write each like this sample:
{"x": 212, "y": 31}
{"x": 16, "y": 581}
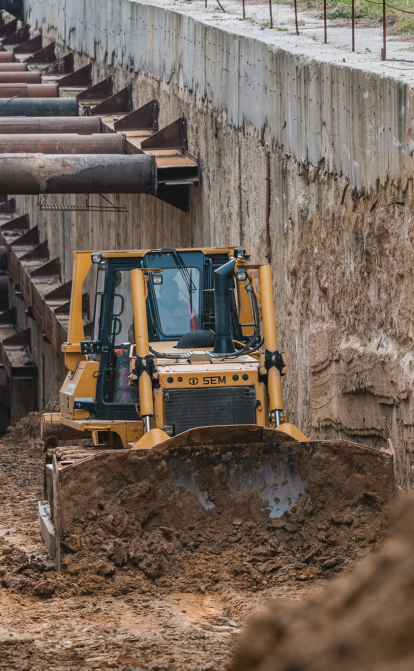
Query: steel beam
{"x": 18, "y": 37}
{"x": 31, "y": 46}
{"x": 43, "y": 56}
{"x": 63, "y": 143}
{"x": 8, "y": 28}
{"x": 38, "y": 107}
{"x": 28, "y": 174}
{"x": 64, "y": 124}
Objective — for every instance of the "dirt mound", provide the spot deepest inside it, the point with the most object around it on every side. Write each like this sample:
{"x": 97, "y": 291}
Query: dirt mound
{"x": 362, "y": 621}
{"x": 126, "y": 513}
{"x": 29, "y": 426}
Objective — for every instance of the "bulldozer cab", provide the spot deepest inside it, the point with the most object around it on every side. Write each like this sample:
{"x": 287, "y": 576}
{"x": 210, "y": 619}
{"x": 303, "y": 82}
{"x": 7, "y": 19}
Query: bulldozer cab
{"x": 180, "y": 286}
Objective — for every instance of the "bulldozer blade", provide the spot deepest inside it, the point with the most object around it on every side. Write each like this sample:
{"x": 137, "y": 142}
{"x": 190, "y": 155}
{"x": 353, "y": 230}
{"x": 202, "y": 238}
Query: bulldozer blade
{"x": 248, "y": 472}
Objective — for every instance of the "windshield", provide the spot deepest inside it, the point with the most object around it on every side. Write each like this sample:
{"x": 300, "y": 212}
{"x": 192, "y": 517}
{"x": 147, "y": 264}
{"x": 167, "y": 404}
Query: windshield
{"x": 178, "y": 300}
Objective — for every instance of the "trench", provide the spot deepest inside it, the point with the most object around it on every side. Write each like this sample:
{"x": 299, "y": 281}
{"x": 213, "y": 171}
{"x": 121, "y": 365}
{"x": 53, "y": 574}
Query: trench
{"x": 340, "y": 241}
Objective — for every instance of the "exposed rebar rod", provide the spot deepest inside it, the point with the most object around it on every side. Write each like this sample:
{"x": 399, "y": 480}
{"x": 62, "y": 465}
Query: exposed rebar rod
{"x": 295, "y": 2}
{"x": 353, "y": 25}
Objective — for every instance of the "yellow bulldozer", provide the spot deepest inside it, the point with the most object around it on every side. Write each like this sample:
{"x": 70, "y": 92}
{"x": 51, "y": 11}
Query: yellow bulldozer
{"x": 176, "y": 399}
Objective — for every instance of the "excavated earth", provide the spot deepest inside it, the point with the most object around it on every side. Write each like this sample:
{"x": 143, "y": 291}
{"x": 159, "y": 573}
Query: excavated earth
{"x": 363, "y": 621}
{"x": 153, "y": 586}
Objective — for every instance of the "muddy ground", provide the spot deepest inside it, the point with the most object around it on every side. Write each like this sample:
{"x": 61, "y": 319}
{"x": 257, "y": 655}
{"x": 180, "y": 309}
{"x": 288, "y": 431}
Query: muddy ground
{"x": 132, "y": 618}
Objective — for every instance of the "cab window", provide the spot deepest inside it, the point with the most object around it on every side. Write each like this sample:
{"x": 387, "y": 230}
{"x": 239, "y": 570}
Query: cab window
{"x": 177, "y": 301}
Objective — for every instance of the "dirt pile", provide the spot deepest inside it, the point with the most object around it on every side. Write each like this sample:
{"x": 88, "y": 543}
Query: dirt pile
{"x": 29, "y": 426}
{"x": 176, "y": 517}
{"x": 81, "y": 626}
{"x": 362, "y": 621}
{"x": 112, "y": 611}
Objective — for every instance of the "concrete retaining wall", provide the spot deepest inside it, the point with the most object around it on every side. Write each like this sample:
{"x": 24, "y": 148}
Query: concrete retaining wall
{"x": 358, "y": 123}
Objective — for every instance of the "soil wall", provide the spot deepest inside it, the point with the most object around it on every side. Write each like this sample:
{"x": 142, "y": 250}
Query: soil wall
{"x": 335, "y": 141}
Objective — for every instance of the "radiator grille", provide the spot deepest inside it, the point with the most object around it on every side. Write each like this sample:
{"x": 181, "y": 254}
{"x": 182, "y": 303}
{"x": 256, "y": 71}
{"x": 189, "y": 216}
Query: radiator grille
{"x": 188, "y": 408}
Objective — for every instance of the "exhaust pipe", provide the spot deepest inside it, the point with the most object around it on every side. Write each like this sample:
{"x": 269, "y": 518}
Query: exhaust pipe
{"x": 224, "y": 339}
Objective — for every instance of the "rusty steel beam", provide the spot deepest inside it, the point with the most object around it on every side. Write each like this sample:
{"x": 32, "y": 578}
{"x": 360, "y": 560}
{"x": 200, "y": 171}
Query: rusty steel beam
{"x": 38, "y": 107}
{"x": 7, "y": 57}
{"x": 30, "y": 46}
{"x": 43, "y": 56}
{"x": 65, "y": 124}
{"x": 21, "y": 35}
{"x": 8, "y": 28}
{"x": 20, "y": 77}
{"x": 13, "y": 67}
{"x": 144, "y": 118}
{"x": 64, "y": 143}
{"x": 82, "y": 77}
{"x": 119, "y": 103}
{"x": 29, "y": 91}
{"x": 28, "y": 174}
{"x": 98, "y": 92}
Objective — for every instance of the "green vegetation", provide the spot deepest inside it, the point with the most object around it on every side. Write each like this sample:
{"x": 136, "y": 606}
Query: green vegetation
{"x": 341, "y": 9}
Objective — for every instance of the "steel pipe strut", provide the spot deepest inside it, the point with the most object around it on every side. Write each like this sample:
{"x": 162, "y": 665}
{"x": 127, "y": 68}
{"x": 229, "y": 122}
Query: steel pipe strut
{"x": 29, "y": 90}
{"x": 52, "y": 143}
{"x": 20, "y": 77}
{"x": 13, "y": 67}
{"x": 32, "y": 174}
{"x": 38, "y": 107}
{"x": 63, "y": 124}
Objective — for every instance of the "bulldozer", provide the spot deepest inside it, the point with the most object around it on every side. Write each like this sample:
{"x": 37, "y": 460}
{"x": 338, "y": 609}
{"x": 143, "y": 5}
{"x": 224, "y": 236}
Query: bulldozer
{"x": 179, "y": 388}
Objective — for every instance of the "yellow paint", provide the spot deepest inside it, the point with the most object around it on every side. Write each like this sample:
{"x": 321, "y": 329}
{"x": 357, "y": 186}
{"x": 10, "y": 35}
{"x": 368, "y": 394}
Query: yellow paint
{"x": 159, "y": 408}
{"x": 211, "y": 378}
{"x": 76, "y": 333}
{"x": 151, "y": 439}
{"x": 292, "y": 430}
{"x": 141, "y": 339}
{"x": 129, "y": 432}
{"x": 270, "y": 336}
{"x": 262, "y": 412}
{"x": 80, "y": 384}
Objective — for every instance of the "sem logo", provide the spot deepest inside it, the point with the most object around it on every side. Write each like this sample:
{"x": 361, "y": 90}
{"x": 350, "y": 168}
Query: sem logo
{"x": 193, "y": 381}
{"x": 214, "y": 379}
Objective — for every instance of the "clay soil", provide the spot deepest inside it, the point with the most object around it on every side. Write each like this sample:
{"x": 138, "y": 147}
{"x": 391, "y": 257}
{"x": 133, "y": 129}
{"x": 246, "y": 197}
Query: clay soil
{"x": 180, "y": 600}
